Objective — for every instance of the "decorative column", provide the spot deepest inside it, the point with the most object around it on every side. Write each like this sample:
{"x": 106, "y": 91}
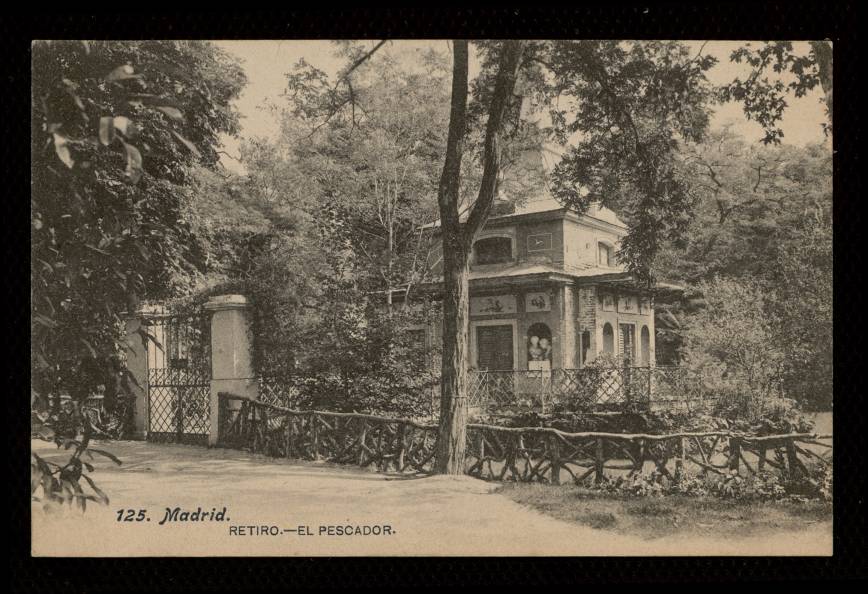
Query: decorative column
{"x": 231, "y": 353}
{"x": 137, "y": 365}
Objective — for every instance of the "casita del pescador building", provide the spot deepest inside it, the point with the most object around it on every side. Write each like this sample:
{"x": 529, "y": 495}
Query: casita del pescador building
{"x": 546, "y": 292}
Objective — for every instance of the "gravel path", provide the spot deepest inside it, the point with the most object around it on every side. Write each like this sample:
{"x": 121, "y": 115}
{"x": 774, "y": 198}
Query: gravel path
{"x": 424, "y": 515}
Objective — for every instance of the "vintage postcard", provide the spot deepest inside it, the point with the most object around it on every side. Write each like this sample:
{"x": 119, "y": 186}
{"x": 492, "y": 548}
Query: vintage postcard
{"x": 458, "y": 297}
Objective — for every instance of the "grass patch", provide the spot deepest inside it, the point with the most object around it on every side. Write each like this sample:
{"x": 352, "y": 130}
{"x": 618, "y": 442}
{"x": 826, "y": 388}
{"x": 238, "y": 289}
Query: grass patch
{"x": 599, "y": 520}
{"x": 667, "y": 516}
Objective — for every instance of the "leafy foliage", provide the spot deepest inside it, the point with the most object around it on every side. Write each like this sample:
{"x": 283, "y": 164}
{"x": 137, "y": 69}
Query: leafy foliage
{"x": 752, "y": 202}
{"x": 115, "y": 129}
{"x": 803, "y": 275}
{"x": 764, "y": 98}
{"x": 622, "y": 109}
{"x": 372, "y": 150}
{"x": 764, "y": 219}
{"x": 773, "y": 420}
{"x": 762, "y": 486}
{"x": 53, "y": 484}
{"x": 375, "y": 366}
{"x": 321, "y": 231}
{"x": 732, "y": 341}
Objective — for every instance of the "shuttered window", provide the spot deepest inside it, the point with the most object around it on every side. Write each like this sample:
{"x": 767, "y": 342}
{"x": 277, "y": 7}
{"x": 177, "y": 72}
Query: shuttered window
{"x": 493, "y": 250}
{"x": 605, "y": 256}
{"x": 627, "y": 344}
{"x": 494, "y": 347}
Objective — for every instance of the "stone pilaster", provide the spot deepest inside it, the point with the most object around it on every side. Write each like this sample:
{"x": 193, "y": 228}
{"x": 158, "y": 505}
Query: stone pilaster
{"x": 231, "y": 353}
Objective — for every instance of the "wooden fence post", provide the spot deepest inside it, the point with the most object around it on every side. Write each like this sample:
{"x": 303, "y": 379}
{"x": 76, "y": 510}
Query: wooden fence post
{"x": 253, "y": 429}
{"x": 792, "y": 460}
{"x": 362, "y": 443}
{"x": 221, "y": 418}
{"x": 635, "y": 447}
{"x": 314, "y": 437}
{"x": 556, "y": 460}
{"x": 399, "y": 459}
{"x": 682, "y": 456}
{"x": 599, "y": 461}
{"x": 734, "y": 453}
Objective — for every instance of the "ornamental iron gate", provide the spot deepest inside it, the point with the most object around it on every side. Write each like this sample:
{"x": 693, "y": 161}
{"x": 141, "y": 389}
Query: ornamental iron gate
{"x": 179, "y": 378}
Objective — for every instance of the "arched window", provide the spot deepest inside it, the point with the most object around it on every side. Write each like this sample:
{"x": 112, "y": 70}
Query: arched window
{"x": 605, "y": 254}
{"x": 645, "y": 342}
{"x": 608, "y": 338}
{"x": 539, "y": 342}
{"x": 493, "y": 250}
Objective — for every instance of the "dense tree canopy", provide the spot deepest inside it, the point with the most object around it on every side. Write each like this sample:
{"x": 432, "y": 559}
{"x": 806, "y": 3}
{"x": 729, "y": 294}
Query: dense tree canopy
{"x": 373, "y": 161}
{"x": 621, "y": 110}
{"x": 322, "y": 228}
{"x": 763, "y": 220}
{"x": 751, "y": 199}
{"x": 116, "y": 127}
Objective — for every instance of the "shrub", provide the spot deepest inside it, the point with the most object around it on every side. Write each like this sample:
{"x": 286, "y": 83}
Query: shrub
{"x": 637, "y": 485}
{"x": 763, "y": 486}
{"x": 656, "y": 422}
{"x": 731, "y": 344}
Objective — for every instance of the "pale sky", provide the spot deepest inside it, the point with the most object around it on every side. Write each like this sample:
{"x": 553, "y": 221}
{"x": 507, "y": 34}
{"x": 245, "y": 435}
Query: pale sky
{"x": 267, "y": 61}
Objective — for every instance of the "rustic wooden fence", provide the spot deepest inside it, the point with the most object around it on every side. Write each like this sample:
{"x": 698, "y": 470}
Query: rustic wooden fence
{"x": 343, "y": 438}
{"x": 546, "y": 455}
{"x": 502, "y": 453}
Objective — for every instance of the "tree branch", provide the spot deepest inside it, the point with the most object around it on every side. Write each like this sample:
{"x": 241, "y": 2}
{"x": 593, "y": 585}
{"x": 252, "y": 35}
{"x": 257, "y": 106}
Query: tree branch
{"x": 448, "y": 191}
{"x": 510, "y": 59}
{"x": 360, "y": 61}
{"x": 351, "y": 98}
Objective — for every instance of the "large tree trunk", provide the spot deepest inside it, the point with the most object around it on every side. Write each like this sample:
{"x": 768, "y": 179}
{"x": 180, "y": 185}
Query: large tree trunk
{"x": 453, "y": 408}
{"x": 453, "y": 390}
{"x": 458, "y": 241}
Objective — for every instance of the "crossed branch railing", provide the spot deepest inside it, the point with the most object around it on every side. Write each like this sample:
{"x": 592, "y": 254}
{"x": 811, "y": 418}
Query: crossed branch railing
{"x": 588, "y": 388}
{"x": 503, "y": 453}
{"x": 503, "y": 392}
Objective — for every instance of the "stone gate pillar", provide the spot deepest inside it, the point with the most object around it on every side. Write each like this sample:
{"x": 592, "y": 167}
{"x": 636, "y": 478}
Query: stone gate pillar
{"x": 231, "y": 353}
{"x": 137, "y": 365}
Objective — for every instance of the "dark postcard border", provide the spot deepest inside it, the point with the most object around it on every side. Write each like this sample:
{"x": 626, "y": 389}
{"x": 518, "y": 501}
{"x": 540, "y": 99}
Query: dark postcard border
{"x": 731, "y": 20}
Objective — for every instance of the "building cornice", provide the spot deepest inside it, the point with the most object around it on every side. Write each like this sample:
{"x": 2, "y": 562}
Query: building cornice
{"x": 541, "y": 216}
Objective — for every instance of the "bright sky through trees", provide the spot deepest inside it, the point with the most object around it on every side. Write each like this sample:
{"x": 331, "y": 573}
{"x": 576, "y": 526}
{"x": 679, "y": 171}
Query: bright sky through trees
{"x": 267, "y": 61}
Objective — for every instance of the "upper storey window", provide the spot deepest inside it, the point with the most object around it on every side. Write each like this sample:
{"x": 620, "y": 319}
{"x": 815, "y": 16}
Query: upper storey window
{"x": 493, "y": 250}
{"x": 605, "y": 254}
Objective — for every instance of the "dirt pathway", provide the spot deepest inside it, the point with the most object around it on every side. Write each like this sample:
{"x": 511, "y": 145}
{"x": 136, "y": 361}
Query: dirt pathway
{"x": 426, "y": 516}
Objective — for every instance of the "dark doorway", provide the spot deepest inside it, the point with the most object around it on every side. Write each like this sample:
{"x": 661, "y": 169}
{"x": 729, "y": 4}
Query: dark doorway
{"x": 494, "y": 347}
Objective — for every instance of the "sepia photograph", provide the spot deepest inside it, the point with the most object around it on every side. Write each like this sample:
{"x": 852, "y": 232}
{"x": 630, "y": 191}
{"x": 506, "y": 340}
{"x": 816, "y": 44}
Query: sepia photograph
{"x": 431, "y": 297}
